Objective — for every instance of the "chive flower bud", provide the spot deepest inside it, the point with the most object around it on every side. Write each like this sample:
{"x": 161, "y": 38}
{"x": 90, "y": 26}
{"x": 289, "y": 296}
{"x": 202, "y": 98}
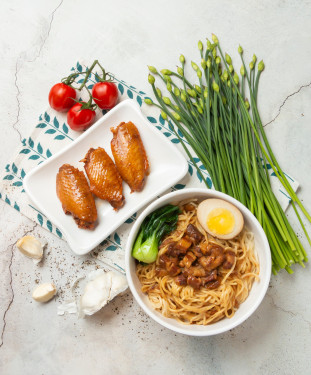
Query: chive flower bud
{"x": 230, "y": 68}
{"x": 224, "y": 100}
{"x": 205, "y": 93}
{"x": 151, "y": 79}
{"x": 166, "y": 72}
{"x": 198, "y": 88}
{"x": 167, "y": 100}
{"x": 176, "y": 115}
{"x": 180, "y": 71}
{"x": 215, "y": 87}
{"x": 183, "y": 97}
{"x": 217, "y": 60}
{"x": 167, "y": 78}
{"x": 200, "y": 110}
{"x": 251, "y": 65}
{"x": 199, "y": 73}
{"x": 152, "y": 69}
{"x": 215, "y": 39}
{"x": 246, "y": 103}
{"x": 200, "y": 45}
{"x": 164, "y": 115}
{"x": 226, "y": 75}
{"x": 228, "y": 59}
{"x": 208, "y": 63}
{"x": 261, "y": 66}
{"x": 242, "y": 71}
{"x": 254, "y": 58}
{"x": 148, "y": 101}
{"x": 182, "y": 58}
{"x": 214, "y": 53}
{"x": 169, "y": 87}
{"x": 159, "y": 92}
{"x": 240, "y": 50}
{"x": 229, "y": 83}
{"x": 192, "y": 93}
{"x": 176, "y": 91}
{"x": 183, "y": 92}
{"x": 203, "y": 64}
{"x": 236, "y": 79}
{"x": 201, "y": 103}
{"x": 194, "y": 66}
{"x": 208, "y": 45}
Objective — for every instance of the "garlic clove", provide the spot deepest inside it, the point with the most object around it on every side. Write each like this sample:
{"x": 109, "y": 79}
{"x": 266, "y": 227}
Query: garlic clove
{"x": 30, "y": 247}
{"x": 44, "y": 292}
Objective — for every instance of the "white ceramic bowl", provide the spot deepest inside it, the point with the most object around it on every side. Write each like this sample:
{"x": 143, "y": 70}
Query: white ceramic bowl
{"x": 257, "y": 292}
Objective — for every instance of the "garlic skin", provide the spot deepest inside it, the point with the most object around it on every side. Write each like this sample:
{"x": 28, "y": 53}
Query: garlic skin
{"x": 30, "y": 247}
{"x": 101, "y": 289}
{"x": 69, "y": 307}
{"x": 118, "y": 285}
{"x": 44, "y": 292}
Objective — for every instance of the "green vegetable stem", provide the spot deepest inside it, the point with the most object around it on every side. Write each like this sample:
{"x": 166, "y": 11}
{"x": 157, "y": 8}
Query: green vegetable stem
{"x": 214, "y": 119}
{"x": 155, "y": 226}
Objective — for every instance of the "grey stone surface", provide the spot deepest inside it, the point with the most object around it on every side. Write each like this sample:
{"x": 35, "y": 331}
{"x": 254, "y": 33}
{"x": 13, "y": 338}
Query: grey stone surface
{"x": 39, "y": 41}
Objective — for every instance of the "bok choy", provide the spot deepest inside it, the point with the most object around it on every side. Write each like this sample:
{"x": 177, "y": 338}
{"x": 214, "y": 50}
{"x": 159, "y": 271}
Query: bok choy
{"x": 155, "y": 226}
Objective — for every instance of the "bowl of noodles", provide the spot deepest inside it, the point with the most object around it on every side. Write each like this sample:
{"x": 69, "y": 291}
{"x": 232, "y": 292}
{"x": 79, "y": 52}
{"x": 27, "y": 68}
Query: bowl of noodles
{"x": 197, "y": 283}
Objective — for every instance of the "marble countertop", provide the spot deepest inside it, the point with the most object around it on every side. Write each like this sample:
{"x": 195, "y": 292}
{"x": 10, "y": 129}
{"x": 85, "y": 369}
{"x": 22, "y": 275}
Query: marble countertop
{"x": 39, "y": 42}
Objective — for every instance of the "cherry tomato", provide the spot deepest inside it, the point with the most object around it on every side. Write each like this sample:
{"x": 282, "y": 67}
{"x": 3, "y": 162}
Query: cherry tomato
{"x": 80, "y": 119}
{"x": 61, "y": 97}
{"x": 105, "y": 94}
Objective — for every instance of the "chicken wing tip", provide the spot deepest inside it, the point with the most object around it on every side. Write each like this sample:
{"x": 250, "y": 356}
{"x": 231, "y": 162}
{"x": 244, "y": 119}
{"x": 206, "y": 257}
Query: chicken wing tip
{"x": 84, "y": 224}
{"x": 114, "y": 130}
{"x": 117, "y": 204}
{"x": 86, "y": 157}
{"x": 65, "y": 166}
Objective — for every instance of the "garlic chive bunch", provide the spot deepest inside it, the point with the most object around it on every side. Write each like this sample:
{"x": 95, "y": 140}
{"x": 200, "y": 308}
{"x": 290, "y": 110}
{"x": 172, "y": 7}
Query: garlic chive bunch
{"x": 223, "y": 127}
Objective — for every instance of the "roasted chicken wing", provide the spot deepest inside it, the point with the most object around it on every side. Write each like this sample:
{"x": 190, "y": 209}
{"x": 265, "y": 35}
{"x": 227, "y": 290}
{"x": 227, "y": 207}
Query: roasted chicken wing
{"x": 75, "y": 195}
{"x": 105, "y": 180}
{"x": 130, "y": 155}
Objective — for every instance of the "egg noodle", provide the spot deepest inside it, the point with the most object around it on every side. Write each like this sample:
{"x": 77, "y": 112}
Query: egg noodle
{"x": 203, "y": 306}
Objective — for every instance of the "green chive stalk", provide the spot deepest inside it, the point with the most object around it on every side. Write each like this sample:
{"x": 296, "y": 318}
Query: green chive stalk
{"x": 224, "y": 129}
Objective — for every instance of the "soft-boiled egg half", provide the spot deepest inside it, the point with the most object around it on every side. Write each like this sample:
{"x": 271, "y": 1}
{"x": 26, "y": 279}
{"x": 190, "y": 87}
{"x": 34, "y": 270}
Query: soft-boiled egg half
{"x": 220, "y": 218}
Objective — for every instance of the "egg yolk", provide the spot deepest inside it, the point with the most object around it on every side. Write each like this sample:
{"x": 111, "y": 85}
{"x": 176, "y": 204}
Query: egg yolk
{"x": 220, "y": 221}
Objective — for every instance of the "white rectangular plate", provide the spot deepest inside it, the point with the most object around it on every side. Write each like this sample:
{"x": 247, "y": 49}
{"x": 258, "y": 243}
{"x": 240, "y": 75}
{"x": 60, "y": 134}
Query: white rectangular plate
{"x": 167, "y": 167}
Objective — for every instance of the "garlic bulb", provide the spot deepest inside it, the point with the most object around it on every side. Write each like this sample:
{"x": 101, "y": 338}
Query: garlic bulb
{"x": 30, "y": 247}
{"x": 44, "y": 292}
{"x": 101, "y": 289}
